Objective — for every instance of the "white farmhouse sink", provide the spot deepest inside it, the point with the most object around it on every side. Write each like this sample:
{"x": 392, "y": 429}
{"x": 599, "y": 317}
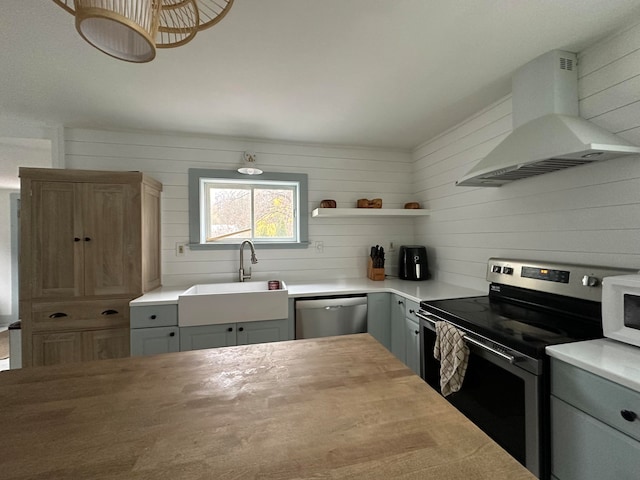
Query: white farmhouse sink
{"x": 216, "y": 303}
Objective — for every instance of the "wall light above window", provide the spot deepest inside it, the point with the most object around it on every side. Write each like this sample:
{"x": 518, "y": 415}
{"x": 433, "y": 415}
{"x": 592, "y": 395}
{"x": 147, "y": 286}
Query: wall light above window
{"x": 249, "y": 166}
{"x": 131, "y": 30}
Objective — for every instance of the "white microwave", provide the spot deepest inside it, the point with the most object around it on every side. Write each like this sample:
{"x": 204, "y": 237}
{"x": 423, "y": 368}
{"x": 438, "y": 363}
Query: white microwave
{"x": 621, "y": 308}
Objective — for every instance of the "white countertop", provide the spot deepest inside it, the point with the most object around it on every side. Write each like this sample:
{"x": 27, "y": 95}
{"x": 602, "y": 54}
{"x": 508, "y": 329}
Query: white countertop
{"x": 610, "y": 359}
{"x": 416, "y": 291}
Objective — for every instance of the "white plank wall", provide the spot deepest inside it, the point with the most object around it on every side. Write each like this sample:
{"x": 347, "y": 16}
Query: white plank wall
{"x": 588, "y": 214}
{"x": 339, "y": 173}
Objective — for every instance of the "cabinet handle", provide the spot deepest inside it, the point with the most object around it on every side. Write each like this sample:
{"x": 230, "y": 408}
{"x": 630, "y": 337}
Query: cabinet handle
{"x": 153, "y": 317}
{"x": 172, "y": 334}
{"x": 109, "y": 312}
{"x": 230, "y": 329}
{"x": 58, "y": 315}
{"x": 241, "y": 329}
{"x": 400, "y": 302}
{"x": 76, "y": 239}
{"x": 87, "y": 239}
{"x": 412, "y": 311}
{"x": 628, "y": 415}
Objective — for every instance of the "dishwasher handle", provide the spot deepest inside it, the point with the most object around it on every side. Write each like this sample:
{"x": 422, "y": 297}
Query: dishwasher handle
{"x": 330, "y": 303}
{"x": 333, "y": 307}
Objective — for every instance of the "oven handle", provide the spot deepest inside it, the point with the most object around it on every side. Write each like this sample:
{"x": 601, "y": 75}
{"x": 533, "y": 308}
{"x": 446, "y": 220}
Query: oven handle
{"x": 509, "y": 358}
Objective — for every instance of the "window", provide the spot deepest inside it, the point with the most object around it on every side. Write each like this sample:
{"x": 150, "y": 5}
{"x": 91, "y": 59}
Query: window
{"x": 226, "y": 208}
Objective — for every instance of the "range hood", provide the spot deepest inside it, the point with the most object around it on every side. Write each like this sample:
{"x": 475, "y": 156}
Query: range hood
{"x": 548, "y": 133}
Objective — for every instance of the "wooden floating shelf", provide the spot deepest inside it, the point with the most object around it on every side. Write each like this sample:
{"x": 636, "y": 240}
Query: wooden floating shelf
{"x": 369, "y": 212}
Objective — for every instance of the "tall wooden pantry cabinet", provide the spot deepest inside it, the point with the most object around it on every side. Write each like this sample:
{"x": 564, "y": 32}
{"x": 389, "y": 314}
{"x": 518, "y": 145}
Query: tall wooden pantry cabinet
{"x": 89, "y": 244}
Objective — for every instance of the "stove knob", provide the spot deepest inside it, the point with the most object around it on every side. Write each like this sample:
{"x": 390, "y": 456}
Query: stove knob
{"x": 589, "y": 281}
{"x": 496, "y": 269}
{"x": 507, "y": 270}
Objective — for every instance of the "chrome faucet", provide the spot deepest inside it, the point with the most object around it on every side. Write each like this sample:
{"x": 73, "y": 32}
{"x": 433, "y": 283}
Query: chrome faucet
{"x": 241, "y": 276}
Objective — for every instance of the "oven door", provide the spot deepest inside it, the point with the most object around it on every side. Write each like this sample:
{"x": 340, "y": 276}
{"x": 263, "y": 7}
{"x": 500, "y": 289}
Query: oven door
{"x": 501, "y": 398}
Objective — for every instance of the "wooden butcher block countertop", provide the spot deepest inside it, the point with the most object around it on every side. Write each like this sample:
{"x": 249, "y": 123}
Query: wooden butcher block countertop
{"x": 339, "y": 407}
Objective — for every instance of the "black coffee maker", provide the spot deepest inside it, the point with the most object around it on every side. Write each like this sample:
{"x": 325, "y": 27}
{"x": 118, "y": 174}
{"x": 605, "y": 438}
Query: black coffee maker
{"x": 412, "y": 263}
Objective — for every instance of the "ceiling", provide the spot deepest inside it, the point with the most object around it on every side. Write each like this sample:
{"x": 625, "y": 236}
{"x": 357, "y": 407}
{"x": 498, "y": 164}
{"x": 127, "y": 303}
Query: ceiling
{"x": 389, "y": 74}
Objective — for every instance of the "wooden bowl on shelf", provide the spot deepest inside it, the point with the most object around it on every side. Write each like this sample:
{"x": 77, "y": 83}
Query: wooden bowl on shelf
{"x": 328, "y": 204}
{"x": 365, "y": 203}
{"x": 412, "y": 205}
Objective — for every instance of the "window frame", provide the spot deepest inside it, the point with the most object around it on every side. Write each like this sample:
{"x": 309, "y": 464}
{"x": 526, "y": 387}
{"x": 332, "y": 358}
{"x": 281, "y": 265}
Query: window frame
{"x": 196, "y": 201}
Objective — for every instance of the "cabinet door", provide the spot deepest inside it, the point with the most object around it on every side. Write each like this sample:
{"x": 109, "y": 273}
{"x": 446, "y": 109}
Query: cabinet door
{"x": 111, "y": 239}
{"x": 56, "y": 348}
{"x": 151, "y": 221}
{"x": 412, "y": 336}
{"x": 583, "y": 448}
{"x": 263, "y": 332}
{"x": 398, "y": 340}
{"x": 56, "y": 245}
{"x": 378, "y": 317}
{"x": 105, "y": 344}
{"x": 207, "y": 336}
{"x": 152, "y": 341}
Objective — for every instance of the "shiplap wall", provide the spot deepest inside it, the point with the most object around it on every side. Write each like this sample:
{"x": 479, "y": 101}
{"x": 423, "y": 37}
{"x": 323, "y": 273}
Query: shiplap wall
{"x": 339, "y": 173}
{"x": 588, "y": 214}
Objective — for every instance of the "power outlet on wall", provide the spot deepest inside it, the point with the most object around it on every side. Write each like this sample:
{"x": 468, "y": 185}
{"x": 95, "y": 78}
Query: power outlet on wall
{"x": 181, "y": 249}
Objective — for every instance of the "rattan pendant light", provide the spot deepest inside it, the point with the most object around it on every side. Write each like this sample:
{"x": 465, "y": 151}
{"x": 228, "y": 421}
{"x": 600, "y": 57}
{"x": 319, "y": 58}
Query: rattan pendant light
{"x": 132, "y": 29}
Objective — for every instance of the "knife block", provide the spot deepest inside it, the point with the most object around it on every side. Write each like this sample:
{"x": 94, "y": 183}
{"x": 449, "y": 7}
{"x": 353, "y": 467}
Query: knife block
{"x": 376, "y": 274}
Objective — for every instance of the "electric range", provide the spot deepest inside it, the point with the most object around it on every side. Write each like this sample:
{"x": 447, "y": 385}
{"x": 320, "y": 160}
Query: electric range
{"x": 530, "y": 305}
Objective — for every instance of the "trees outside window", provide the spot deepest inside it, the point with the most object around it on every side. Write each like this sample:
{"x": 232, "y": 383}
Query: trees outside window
{"x": 226, "y": 208}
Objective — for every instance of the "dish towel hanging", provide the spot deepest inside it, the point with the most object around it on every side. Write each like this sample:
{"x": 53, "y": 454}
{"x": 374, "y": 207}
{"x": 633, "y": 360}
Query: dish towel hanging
{"x": 453, "y": 353}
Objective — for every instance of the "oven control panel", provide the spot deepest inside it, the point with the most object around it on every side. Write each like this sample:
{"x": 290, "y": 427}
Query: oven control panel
{"x": 573, "y": 280}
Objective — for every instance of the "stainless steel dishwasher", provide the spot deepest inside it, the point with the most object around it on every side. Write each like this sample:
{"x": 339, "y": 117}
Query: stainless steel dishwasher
{"x": 328, "y": 316}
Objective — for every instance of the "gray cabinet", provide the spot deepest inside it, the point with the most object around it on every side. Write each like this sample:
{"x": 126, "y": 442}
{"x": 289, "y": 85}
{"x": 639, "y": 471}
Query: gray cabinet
{"x": 266, "y": 331}
{"x": 398, "y": 341}
{"x": 405, "y": 332}
{"x": 412, "y": 336}
{"x": 230, "y": 334}
{"x": 590, "y": 437}
{"x": 207, "y": 336}
{"x": 154, "y": 316}
{"x": 378, "y": 312}
{"x": 154, "y": 330}
{"x": 152, "y": 341}
{"x": 412, "y": 342}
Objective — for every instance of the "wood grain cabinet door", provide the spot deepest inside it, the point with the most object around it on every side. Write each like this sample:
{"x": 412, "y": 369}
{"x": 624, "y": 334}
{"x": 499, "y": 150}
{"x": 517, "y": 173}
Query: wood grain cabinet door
{"x": 56, "y": 348}
{"x": 56, "y": 245}
{"x": 111, "y": 239}
{"x": 105, "y": 344}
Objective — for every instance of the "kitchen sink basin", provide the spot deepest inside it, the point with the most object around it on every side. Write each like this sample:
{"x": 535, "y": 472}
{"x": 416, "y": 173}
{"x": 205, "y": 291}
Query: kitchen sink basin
{"x": 216, "y": 303}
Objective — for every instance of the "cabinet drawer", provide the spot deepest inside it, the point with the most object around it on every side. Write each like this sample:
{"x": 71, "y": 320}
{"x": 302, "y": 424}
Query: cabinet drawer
{"x": 80, "y": 315}
{"x": 411, "y": 308}
{"x": 154, "y": 316}
{"x": 596, "y": 396}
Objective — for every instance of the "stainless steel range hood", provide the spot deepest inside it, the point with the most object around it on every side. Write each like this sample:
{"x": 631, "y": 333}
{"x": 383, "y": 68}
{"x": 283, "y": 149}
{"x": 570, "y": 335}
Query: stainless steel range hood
{"x": 548, "y": 133}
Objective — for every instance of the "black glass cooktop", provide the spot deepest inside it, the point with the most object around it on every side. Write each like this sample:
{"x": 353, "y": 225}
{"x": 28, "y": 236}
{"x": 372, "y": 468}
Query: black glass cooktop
{"x": 524, "y": 327}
